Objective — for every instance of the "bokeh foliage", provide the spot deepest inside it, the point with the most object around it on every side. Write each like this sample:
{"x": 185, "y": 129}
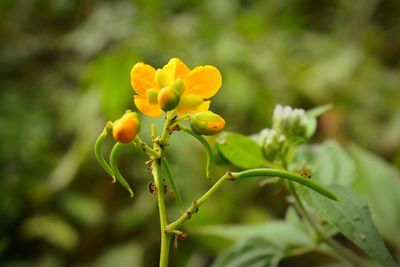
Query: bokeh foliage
{"x": 64, "y": 69}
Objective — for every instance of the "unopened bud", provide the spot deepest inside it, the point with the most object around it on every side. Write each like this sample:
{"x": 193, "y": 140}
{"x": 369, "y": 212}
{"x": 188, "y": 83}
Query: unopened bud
{"x": 178, "y": 86}
{"x": 162, "y": 79}
{"x": 273, "y": 144}
{"x": 168, "y": 99}
{"x": 152, "y": 95}
{"x": 191, "y": 102}
{"x": 126, "y": 128}
{"x": 206, "y": 123}
{"x": 290, "y": 122}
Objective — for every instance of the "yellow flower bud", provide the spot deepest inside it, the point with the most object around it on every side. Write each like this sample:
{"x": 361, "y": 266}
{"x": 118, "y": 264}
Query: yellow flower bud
{"x": 206, "y": 123}
{"x": 126, "y": 128}
{"x": 168, "y": 99}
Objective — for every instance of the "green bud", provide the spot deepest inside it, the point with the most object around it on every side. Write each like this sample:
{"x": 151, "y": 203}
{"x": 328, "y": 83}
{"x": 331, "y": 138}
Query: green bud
{"x": 162, "y": 78}
{"x": 178, "y": 86}
{"x": 168, "y": 99}
{"x": 273, "y": 144}
{"x": 206, "y": 123}
{"x": 191, "y": 102}
{"x": 152, "y": 95}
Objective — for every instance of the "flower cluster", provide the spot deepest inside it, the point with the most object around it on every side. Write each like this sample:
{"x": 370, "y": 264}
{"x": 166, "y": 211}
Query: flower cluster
{"x": 290, "y": 122}
{"x": 273, "y": 144}
{"x": 175, "y": 89}
{"x": 289, "y": 127}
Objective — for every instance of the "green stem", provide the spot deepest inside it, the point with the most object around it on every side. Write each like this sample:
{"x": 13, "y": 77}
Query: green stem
{"x": 286, "y": 175}
{"x": 159, "y": 144}
{"x": 165, "y": 238}
{"x": 145, "y": 148}
{"x": 99, "y": 155}
{"x": 196, "y": 204}
{"x": 166, "y": 130}
{"x": 113, "y": 161}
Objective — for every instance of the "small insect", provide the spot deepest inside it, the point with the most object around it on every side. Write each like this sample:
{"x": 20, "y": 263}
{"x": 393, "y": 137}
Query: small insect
{"x": 165, "y": 189}
{"x": 305, "y": 174}
{"x": 152, "y": 187}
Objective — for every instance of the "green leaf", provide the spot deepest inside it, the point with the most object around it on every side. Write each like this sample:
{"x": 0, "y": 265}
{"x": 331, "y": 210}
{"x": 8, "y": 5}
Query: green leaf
{"x": 379, "y": 185}
{"x": 353, "y": 219}
{"x": 279, "y": 233}
{"x": 254, "y": 252}
{"x": 240, "y": 150}
{"x": 331, "y": 163}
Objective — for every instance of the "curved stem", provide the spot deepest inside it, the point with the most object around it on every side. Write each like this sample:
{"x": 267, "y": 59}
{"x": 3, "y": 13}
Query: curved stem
{"x": 113, "y": 161}
{"x": 286, "y": 175}
{"x": 99, "y": 155}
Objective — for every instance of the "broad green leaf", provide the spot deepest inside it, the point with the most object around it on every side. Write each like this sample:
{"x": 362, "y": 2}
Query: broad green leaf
{"x": 240, "y": 150}
{"x": 379, "y": 184}
{"x": 332, "y": 164}
{"x": 353, "y": 219}
{"x": 255, "y": 252}
{"x": 279, "y": 233}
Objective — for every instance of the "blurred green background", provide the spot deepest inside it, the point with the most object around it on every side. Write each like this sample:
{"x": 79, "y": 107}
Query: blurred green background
{"x": 64, "y": 67}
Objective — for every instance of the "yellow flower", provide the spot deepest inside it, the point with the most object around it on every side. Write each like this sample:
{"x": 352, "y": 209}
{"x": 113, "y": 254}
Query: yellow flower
{"x": 199, "y": 85}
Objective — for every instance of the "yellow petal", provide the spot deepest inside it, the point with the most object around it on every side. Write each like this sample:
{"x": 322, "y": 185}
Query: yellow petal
{"x": 142, "y": 78}
{"x": 204, "y": 81}
{"x": 142, "y": 104}
{"x": 202, "y": 107}
{"x": 176, "y": 69}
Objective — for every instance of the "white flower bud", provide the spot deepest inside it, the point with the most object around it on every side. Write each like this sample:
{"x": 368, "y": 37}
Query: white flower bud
{"x": 273, "y": 144}
{"x": 290, "y": 122}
